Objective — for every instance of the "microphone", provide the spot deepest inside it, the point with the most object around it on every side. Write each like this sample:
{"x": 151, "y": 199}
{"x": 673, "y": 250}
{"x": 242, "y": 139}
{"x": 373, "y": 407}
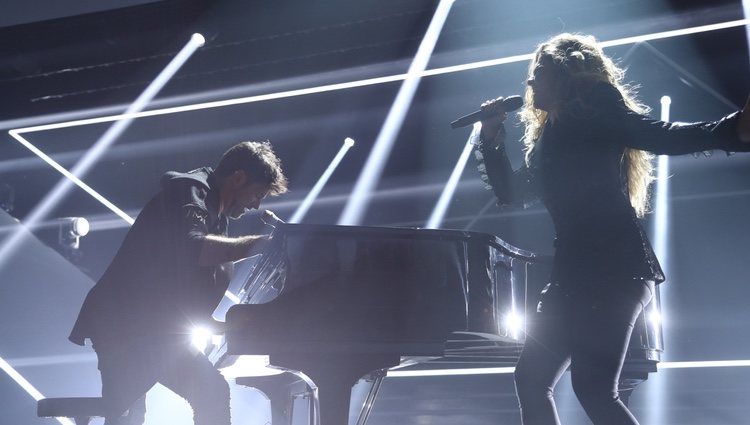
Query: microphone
{"x": 510, "y": 103}
{"x": 271, "y": 219}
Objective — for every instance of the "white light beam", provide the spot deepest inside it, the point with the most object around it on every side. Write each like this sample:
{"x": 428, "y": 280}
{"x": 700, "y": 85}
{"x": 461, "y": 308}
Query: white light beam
{"x": 52, "y": 199}
{"x": 304, "y": 207}
{"x": 370, "y": 175}
{"x": 82, "y": 166}
{"x": 325, "y": 88}
{"x": 441, "y": 208}
{"x": 26, "y": 385}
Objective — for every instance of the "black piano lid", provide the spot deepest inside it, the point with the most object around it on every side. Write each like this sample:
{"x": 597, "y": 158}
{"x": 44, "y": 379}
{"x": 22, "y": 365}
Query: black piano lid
{"x": 406, "y": 233}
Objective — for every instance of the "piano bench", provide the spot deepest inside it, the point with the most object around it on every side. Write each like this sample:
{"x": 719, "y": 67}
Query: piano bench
{"x": 80, "y": 409}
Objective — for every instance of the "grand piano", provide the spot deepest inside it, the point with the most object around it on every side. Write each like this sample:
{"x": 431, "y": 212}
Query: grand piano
{"x": 334, "y": 304}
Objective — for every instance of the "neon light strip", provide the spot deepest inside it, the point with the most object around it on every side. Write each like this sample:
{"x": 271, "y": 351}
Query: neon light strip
{"x": 106, "y": 140}
{"x": 703, "y": 364}
{"x": 15, "y": 133}
{"x": 217, "y": 104}
{"x": 371, "y": 81}
{"x": 450, "y": 372}
{"x": 26, "y": 385}
{"x": 506, "y": 370}
{"x": 675, "y": 33}
{"x": 62, "y": 170}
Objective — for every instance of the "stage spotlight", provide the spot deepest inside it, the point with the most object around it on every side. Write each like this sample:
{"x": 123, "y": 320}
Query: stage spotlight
{"x": 200, "y": 338}
{"x": 513, "y": 324}
{"x": 71, "y": 229}
{"x": 666, "y": 102}
{"x": 205, "y": 337}
{"x": 198, "y": 40}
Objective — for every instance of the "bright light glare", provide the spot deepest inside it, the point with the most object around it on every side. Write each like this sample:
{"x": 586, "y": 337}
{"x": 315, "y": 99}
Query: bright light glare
{"x": 248, "y": 365}
{"x": 355, "y": 208}
{"x": 654, "y": 318}
{"x": 198, "y": 40}
{"x": 306, "y": 204}
{"x": 200, "y": 338}
{"x": 514, "y": 324}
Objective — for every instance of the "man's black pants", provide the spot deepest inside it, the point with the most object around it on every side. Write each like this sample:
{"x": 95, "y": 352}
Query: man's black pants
{"x": 128, "y": 371}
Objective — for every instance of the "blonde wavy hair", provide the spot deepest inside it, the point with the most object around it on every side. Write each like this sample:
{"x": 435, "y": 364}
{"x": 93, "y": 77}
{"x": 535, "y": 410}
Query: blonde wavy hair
{"x": 579, "y": 57}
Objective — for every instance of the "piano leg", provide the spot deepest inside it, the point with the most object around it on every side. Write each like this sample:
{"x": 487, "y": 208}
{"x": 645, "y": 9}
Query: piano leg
{"x": 334, "y": 375}
{"x": 279, "y": 390}
{"x": 376, "y": 379}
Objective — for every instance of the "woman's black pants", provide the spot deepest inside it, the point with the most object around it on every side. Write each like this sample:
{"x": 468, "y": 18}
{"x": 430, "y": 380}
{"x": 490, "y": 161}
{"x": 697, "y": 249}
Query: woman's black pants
{"x": 588, "y": 328}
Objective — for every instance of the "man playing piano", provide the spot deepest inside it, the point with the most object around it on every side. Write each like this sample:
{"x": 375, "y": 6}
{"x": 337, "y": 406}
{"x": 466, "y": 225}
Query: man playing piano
{"x": 167, "y": 277}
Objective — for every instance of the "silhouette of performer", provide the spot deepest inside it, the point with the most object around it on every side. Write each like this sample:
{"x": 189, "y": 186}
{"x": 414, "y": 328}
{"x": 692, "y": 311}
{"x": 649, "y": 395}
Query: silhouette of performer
{"x": 168, "y": 277}
{"x": 586, "y": 141}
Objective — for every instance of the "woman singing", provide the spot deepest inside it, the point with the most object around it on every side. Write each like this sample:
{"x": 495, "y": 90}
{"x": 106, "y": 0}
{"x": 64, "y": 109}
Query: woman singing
{"x": 587, "y": 144}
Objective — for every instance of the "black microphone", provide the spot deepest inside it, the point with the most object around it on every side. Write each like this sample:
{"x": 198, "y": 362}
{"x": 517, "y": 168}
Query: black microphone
{"x": 510, "y": 103}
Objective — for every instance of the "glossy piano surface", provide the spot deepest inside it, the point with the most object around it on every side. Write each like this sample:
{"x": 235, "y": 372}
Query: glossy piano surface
{"x": 369, "y": 289}
{"x": 339, "y": 302}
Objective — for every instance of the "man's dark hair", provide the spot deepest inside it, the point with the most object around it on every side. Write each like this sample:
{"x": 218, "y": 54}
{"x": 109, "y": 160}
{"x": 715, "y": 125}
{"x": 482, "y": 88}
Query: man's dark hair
{"x": 258, "y": 161}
